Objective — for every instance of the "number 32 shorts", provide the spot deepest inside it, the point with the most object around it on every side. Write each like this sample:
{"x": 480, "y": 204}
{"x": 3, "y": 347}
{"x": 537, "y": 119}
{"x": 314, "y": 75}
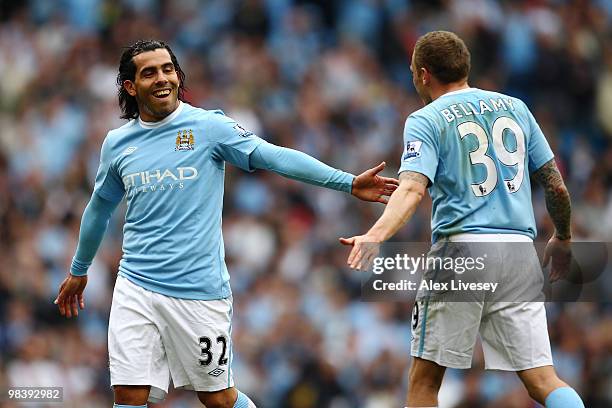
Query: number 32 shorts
{"x": 153, "y": 338}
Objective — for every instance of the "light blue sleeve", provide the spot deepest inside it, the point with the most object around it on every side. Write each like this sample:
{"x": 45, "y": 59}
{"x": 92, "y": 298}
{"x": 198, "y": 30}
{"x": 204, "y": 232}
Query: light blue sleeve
{"x": 93, "y": 226}
{"x": 538, "y": 149}
{"x": 108, "y": 182}
{"x": 300, "y": 166}
{"x": 421, "y": 147}
{"x": 231, "y": 142}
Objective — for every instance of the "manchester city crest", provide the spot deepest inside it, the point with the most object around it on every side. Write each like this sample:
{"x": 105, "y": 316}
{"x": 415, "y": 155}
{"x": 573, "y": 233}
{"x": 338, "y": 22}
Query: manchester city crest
{"x": 185, "y": 140}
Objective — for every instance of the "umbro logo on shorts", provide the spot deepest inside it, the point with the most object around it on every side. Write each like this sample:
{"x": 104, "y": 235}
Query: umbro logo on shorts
{"x": 216, "y": 372}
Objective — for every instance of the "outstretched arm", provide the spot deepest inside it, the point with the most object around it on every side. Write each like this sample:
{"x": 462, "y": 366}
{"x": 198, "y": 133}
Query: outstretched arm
{"x": 93, "y": 226}
{"x": 233, "y": 144}
{"x": 299, "y": 166}
{"x": 401, "y": 207}
{"x": 560, "y": 210}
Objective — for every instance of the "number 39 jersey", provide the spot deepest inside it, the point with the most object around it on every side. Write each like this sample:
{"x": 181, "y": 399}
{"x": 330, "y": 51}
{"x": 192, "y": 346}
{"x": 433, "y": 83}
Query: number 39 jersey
{"x": 477, "y": 149}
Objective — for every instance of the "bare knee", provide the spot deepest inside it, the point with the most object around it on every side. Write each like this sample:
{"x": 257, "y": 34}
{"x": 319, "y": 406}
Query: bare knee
{"x": 540, "y": 382}
{"x": 131, "y": 394}
{"x": 219, "y": 399}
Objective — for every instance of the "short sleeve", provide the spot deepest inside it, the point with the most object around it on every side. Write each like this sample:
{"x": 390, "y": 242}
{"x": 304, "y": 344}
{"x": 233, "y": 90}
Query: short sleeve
{"x": 108, "y": 182}
{"x": 421, "y": 147}
{"x": 538, "y": 149}
{"x": 232, "y": 142}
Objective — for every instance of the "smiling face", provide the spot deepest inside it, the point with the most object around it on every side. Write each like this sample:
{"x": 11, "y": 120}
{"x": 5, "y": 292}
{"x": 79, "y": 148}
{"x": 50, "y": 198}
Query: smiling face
{"x": 155, "y": 85}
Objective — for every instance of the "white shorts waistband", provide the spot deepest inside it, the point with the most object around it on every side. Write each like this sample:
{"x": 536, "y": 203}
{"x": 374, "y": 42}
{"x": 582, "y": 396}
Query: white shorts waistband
{"x": 470, "y": 237}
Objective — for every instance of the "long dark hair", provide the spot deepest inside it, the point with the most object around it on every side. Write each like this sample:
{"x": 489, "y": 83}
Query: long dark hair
{"x": 127, "y": 71}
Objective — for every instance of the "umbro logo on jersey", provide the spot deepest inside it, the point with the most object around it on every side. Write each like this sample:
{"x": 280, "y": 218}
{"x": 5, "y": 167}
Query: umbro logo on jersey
{"x": 216, "y": 372}
{"x": 185, "y": 140}
{"x": 130, "y": 150}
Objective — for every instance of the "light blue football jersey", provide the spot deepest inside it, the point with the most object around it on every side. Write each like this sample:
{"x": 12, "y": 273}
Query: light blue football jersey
{"x": 172, "y": 173}
{"x": 477, "y": 149}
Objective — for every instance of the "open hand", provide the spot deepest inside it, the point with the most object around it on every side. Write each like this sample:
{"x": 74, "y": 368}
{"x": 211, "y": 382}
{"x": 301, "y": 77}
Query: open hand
{"x": 70, "y": 297}
{"x": 365, "y": 249}
{"x": 560, "y": 252}
{"x": 369, "y": 186}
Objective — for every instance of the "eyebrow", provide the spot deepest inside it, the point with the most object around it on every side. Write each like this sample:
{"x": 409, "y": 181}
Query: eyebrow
{"x": 153, "y": 67}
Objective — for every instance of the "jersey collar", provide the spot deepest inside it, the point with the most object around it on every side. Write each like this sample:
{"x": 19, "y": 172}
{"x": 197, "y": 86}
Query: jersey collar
{"x": 460, "y": 91}
{"x": 169, "y": 118}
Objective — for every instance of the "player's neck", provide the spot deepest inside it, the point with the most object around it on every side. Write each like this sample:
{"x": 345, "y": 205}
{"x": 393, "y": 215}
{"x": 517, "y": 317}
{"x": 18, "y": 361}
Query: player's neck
{"x": 442, "y": 89}
{"x": 150, "y": 118}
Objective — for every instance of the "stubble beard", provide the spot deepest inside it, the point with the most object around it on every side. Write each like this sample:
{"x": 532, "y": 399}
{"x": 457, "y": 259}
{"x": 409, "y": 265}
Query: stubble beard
{"x": 150, "y": 109}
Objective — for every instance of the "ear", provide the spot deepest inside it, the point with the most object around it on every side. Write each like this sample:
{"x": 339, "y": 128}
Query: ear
{"x": 129, "y": 87}
{"x": 425, "y": 76}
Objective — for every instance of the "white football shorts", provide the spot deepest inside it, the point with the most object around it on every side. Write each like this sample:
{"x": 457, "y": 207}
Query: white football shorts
{"x": 514, "y": 334}
{"x": 153, "y": 338}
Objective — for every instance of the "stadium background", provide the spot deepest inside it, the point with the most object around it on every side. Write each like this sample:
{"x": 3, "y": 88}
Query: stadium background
{"x": 331, "y": 79}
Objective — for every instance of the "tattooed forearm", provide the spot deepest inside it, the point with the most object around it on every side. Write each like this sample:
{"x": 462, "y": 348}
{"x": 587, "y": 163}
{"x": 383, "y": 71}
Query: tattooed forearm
{"x": 557, "y": 198}
{"x": 401, "y": 206}
{"x": 414, "y": 176}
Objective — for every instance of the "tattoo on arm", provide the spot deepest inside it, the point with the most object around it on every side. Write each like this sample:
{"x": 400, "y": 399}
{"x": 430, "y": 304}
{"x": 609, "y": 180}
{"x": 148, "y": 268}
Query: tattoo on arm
{"x": 401, "y": 206}
{"x": 557, "y": 198}
{"x": 414, "y": 176}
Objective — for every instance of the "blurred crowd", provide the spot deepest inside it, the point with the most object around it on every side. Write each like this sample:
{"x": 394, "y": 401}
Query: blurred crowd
{"x": 330, "y": 78}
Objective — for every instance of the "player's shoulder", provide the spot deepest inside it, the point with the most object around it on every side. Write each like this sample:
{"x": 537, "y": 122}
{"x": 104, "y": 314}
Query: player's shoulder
{"x": 114, "y": 136}
{"x": 208, "y": 115}
{"x": 217, "y": 124}
{"x": 494, "y": 96}
{"x": 424, "y": 118}
{"x": 127, "y": 127}
{"x": 497, "y": 94}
